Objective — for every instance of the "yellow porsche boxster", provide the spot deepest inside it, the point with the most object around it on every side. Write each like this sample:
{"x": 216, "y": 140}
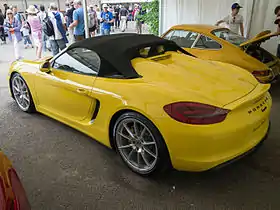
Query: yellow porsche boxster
{"x": 150, "y": 100}
{"x": 220, "y": 44}
{"x": 12, "y": 194}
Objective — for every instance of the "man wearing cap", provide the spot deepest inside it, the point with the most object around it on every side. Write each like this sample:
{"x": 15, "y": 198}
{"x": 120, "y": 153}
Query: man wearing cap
{"x": 234, "y": 20}
{"x": 106, "y": 20}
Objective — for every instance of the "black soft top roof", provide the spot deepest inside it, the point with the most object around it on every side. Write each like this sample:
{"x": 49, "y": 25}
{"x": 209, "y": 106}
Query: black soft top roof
{"x": 120, "y": 49}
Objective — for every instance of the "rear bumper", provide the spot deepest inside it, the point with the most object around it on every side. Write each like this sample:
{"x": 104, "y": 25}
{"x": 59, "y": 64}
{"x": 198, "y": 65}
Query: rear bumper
{"x": 200, "y": 148}
{"x": 249, "y": 152}
{"x": 211, "y": 151}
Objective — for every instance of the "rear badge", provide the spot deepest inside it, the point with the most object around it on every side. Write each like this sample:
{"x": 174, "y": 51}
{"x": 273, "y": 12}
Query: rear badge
{"x": 262, "y": 106}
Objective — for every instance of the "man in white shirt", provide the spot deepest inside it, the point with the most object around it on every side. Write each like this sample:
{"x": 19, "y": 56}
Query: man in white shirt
{"x": 58, "y": 40}
{"x": 235, "y": 21}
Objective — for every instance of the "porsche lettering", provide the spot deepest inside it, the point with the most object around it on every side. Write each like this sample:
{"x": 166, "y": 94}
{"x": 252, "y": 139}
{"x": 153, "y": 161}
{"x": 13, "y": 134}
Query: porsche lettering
{"x": 261, "y": 106}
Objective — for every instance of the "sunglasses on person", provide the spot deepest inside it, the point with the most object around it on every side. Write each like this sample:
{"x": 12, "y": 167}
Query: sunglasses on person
{"x": 9, "y": 13}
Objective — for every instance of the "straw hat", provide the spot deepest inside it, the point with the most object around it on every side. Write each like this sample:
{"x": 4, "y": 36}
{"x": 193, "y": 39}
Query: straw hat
{"x": 32, "y": 10}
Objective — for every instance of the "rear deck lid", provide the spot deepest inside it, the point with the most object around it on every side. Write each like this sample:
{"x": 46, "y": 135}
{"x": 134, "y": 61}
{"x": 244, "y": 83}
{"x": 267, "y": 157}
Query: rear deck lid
{"x": 260, "y": 38}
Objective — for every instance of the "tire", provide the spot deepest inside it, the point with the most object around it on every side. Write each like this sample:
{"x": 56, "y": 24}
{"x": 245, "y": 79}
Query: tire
{"x": 140, "y": 144}
{"x": 22, "y": 94}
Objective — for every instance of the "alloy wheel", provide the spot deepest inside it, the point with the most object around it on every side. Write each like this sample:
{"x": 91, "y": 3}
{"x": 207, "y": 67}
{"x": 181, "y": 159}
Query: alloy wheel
{"x": 137, "y": 145}
{"x": 21, "y": 93}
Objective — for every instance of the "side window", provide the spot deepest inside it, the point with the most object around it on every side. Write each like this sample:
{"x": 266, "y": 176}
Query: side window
{"x": 207, "y": 43}
{"x": 184, "y": 38}
{"x": 168, "y": 35}
{"x": 79, "y": 61}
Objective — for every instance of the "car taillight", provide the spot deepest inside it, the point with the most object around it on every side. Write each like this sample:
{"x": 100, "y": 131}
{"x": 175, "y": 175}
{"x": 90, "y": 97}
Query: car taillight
{"x": 261, "y": 73}
{"x": 195, "y": 113}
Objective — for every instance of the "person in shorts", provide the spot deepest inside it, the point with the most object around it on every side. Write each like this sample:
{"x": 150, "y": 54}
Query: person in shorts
{"x": 25, "y": 29}
{"x": 93, "y": 21}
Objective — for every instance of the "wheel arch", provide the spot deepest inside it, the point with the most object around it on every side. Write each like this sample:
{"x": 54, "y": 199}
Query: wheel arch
{"x": 126, "y": 110}
{"x": 10, "y": 82}
{"x": 113, "y": 120}
{"x": 115, "y": 117}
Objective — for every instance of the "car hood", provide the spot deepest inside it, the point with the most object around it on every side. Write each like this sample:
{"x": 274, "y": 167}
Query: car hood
{"x": 185, "y": 77}
{"x": 260, "y": 38}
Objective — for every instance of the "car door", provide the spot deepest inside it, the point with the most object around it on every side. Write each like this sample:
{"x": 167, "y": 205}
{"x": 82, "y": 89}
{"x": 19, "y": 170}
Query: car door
{"x": 66, "y": 90}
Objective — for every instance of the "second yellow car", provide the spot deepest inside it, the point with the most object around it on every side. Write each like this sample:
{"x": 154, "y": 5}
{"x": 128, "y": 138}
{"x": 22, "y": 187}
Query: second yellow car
{"x": 220, "y": 44}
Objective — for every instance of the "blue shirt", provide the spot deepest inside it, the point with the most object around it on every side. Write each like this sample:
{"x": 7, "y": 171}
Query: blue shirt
{"x": 18, "y": 16}
{"x": 106, "y": 16}
{"x": 79, "y": 16}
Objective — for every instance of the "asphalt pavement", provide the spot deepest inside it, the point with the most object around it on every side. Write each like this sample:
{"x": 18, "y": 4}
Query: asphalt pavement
{"x": 64, "y": 169}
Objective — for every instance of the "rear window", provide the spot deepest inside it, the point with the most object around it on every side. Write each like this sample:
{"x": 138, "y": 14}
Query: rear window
{"x": 229, "y": 36}
{"x": 205, "y": 42}
{"x": 152, "y": 51}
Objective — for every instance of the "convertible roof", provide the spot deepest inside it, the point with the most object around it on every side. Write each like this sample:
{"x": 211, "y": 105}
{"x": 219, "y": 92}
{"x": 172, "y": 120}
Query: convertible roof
{"x": 120, "y": 49}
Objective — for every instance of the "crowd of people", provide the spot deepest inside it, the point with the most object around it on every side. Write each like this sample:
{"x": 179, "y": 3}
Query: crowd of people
{"x": 49, "y": 29}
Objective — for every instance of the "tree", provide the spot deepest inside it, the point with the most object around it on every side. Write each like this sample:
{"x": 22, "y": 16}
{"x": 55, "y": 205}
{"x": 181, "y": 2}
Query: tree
{"x": 151, "y": 16}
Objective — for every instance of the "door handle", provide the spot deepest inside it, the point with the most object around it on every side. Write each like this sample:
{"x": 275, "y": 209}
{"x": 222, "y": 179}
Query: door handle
{"x": 82, "y": 91}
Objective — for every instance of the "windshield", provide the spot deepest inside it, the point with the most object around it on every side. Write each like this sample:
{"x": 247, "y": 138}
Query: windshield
{"x": 229, "y": 36}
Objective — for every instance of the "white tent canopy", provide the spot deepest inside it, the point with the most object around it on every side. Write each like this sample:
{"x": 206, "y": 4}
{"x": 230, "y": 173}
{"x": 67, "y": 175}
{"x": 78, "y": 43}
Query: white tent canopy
{"x": 258, "y": 14}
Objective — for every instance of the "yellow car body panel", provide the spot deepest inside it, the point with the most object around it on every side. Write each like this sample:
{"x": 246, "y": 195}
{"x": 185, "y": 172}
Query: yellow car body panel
{"x": 72, "y": 99}
{"x": 229, "y": 53}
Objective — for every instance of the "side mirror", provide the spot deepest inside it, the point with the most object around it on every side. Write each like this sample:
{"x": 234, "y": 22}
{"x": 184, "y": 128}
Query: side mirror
{"x": 45, "y": 67}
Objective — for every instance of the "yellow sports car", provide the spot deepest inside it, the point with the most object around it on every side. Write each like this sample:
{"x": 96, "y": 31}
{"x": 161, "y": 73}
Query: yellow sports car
{"x": 149, "y": 99}
{"x": 220, "y": 44}
{"x": 12, "y": 194}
